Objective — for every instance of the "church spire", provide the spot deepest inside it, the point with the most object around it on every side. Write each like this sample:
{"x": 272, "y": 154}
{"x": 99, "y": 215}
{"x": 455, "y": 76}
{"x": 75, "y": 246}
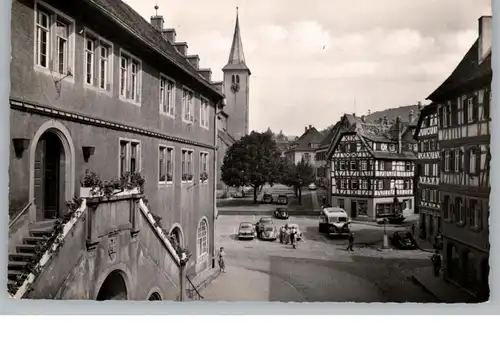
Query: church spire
{"x": 236, "y": 56}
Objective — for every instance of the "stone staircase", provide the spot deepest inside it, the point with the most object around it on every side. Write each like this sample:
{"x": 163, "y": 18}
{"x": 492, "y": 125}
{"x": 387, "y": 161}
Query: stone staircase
{"x": 27, "y": 254}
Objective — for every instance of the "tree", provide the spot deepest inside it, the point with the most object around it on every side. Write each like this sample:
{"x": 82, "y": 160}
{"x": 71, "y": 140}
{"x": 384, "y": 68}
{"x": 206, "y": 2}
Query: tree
{"x": 327, "y": 130}
{"x": 253, "y": 160}
{"x": 296, "y": 175}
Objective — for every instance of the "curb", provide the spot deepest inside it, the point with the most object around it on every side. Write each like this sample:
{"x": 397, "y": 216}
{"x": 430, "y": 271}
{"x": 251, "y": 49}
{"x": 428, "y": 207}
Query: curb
{"x": 264, "y": 213}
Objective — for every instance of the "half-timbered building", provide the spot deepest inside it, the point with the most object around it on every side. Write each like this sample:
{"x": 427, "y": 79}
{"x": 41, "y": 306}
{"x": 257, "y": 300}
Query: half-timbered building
{"x": 464, "y": 101}
{"x": 427, "y": 173}
{"x": 372, "y": 167}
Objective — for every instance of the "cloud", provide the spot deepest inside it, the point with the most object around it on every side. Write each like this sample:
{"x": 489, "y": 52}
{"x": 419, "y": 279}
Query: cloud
{"x": 311, "y": 63}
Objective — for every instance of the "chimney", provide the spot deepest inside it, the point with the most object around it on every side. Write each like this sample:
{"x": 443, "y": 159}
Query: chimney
{"x": 194, "y": 60}
{"x": 410, "y": 116}
{"x": 310, "y": 126}
{"x": 157, "y": 22}
{"x": 206, "y": 73}
{"x": 305, "y": 129}
{"x": 169, "y": 34}
{"x": 485, "y": 28}
{"x": 182, "y": 47}
{"x": 354, "y": 115}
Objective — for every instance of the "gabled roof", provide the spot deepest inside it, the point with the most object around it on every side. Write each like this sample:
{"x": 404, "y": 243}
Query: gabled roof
{"x": 403, "y": 112}
{"x": 329, "y": 137}
{"x": 311, "y": 135}
{"x": 125, "y": 16}
{"x": 430, "y": 108}
{"x": 469, "y": 69}
{"x": 236, "y": 59}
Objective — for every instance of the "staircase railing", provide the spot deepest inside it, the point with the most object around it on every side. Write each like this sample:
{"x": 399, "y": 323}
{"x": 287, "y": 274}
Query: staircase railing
{"x": 193, "y": 293}
{"x": 11, "y": 223}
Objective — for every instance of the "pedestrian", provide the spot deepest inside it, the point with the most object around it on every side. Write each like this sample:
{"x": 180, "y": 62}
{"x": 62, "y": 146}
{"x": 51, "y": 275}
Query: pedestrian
{"x": 222, "y": 262}
{"x": 436, "y": 261}
{"x": 282, "y": 234}
{"x": 292, "y": 236}
{"x": 351, "y": 242}
{"x": 413, "y": 229}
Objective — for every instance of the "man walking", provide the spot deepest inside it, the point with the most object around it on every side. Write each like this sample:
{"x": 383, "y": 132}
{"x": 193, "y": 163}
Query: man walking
{"x": 351, "y": 242}
{"x": 413, "y": 229}
{"x": 436, "y": 262}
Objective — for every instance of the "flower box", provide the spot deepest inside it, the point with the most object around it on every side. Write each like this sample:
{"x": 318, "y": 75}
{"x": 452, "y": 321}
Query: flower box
{"x": 94, "y": 192}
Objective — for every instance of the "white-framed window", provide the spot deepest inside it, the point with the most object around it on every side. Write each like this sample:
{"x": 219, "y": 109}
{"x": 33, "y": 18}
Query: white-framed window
{"x": 447, "y": 157}
{"x": 457, "y": 160}
{"x": 187, "y": 106}
{"x": 129, "y": 156}
{"x": 445, "y": 116}
{"x": 364, "y": 184}
{"x": 435, "y": 169}
{"x": 472, "y": 161}
{"x": 204, "y": 113}
{"x": 380, "y": 185}
{"x": 381, "y": 165}
{"x": 342, "y": 165}
{"x": 98, "y": 69}
{"x": 343, "y": 184}
{"x": 167, "y": 96}
{"x": 353, "y": 165}
{"x": 354, "y": 184}
{"x": 130, "y": 77}
{"x": 54, "y": 40}
{"x": 408, "y": 166}
{"x": 202, "y": 239}
{"x": 165, "y": 164}
{"x": 470, "y": 109}
{"x": 364, "y": 165}
{"x": 426, "y": 169}
{"x": 187, "y": 165}
{"x": 203, "y": 167}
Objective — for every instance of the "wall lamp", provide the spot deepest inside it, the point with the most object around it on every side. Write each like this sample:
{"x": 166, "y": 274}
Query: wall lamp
{"x": 87, "y": 152}
{"x": 20, "y": 145}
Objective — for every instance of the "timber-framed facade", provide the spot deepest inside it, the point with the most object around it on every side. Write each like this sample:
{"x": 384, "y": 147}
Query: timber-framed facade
{"x": 428, "y": 159}
{"x": 372, "y": 167}
{"x": 464, "y": 101}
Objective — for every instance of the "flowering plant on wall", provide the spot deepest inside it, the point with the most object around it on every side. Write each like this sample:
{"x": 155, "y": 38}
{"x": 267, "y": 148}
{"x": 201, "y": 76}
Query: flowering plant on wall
{"x": 203, "y": 176}
{"x": 169, "y": 177}
{"x": 187, "y": 177}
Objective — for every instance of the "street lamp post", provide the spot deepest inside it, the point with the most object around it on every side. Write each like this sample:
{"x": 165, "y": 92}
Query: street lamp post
{"x": 385, "y": 245}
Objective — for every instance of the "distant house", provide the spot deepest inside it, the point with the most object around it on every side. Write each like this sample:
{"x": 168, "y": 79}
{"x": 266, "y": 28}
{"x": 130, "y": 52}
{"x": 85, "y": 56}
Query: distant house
{"x": 372, "y": 165}
{"x": 323, "y": 169}
{"x": 305, "y": 146}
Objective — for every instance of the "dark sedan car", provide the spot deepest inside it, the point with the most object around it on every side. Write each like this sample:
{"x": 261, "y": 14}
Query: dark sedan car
{"x": 269, "y": 233}
{"x": 282, "y": 199}
{"x": 403, "y": 240}
{"x": 281, "y": 213}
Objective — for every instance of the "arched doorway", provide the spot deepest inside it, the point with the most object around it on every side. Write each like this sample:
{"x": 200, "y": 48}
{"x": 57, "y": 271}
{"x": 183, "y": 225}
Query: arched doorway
{"x": 113, "y": 287}
{"x": 154, "y": 296}
{"x": 49, "y": 176}
{"x": 177, "y": 235}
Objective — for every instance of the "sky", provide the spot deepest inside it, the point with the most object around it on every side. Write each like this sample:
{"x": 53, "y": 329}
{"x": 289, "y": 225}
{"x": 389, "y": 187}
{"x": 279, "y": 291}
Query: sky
{"x": 312, "y": 61}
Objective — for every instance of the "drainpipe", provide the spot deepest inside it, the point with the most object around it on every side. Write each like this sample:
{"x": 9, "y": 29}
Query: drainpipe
{"x": 216, "y": 114}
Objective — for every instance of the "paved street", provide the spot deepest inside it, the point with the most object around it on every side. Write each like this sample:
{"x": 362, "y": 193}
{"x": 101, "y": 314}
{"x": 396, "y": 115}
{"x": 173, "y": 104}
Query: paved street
{"x": 320, "y": 269}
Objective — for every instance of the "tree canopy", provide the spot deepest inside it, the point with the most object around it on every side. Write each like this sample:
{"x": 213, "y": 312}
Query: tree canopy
{"x": 253, "y": 160}
{"x": 296, "y": 175}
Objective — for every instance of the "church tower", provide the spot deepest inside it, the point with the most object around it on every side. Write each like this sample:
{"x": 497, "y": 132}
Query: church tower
{"x": 236, "y": 87}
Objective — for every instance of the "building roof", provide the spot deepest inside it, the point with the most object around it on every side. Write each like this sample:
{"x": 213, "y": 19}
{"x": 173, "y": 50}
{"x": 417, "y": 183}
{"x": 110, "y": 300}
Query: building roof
{"x": 468, "y": 70}
{"x": 329, "y": 137}
{"x": 403, "y": 112}
{"x": 236, "y": 59}
{"x": 128, "y": 18}
{"x": 303, "y": 143}
{"x": 428, "y": 109}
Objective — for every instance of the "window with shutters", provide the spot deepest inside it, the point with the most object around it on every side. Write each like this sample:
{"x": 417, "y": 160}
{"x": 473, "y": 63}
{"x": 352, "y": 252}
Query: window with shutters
{"x": 98, "y": 59}
{"x": 381, "y": 165}
{"x": 364, "y": 165}
{"x": 473, "y": 161}
{"x": 187, "y": 106}
{"x": 426, "y": 169}
{"x": 364, "y": 184}
{"x": 470, "y": 109}
{"x": 354, "y": 165}
{"x": 447, "y": 161}
{"x": 458, "y": 160}
{"x": 130, "y": 156}
{"x": 130, "y": 78}
{"x": 167, "y": 96}
{"x": 435, "y": 169}
{"x": 54, "y": 41}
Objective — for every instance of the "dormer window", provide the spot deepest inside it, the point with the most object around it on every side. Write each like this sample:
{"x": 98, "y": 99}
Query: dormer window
{"x": 392, "y": 147}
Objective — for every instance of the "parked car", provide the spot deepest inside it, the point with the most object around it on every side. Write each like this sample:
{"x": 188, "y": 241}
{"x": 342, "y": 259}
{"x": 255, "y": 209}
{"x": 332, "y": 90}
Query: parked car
{"x": 269, "y": 232}
{"x": 312, "y": 186}
{"x": 282, "y": 199}
{"x": 281, "y": 213}
{"x": 246, "y": 230}
{"x": 403, "y": 240}
{"x": 391, "y": 219}
{"x": 298, "y": 232}
{"x": 267, "y": 198}
{"x": 263, "y": 222}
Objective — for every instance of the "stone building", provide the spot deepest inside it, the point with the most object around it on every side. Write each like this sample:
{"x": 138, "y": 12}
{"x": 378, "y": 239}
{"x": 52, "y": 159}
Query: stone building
{"x": 464, "y": 113}
{"x": 96, "y": 87}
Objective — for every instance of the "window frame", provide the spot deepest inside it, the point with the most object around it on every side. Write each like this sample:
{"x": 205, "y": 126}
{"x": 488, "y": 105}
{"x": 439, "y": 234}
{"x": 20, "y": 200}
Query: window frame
{"x": 168, "y": 80}
{"x": 203, "y": 156}
{"x": 202, "y": 247}
{"x": 129, "y": 142}
{"x": 54, "y": 15}
{"x": 98, "y": 43}
{"x": 190, "y": 119}
{"x": 167, "y": 151}
{"x": 204, "y": 113}
{"x": 127, "y": 96}
{"x": 190, "y": 152}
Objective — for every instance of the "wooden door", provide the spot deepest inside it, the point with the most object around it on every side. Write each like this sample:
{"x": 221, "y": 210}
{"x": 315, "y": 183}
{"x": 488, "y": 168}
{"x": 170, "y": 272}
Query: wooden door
{"x": 52, "y": 182}
{"x": 39, "y": 179}
{"x": 353, "y": 209}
